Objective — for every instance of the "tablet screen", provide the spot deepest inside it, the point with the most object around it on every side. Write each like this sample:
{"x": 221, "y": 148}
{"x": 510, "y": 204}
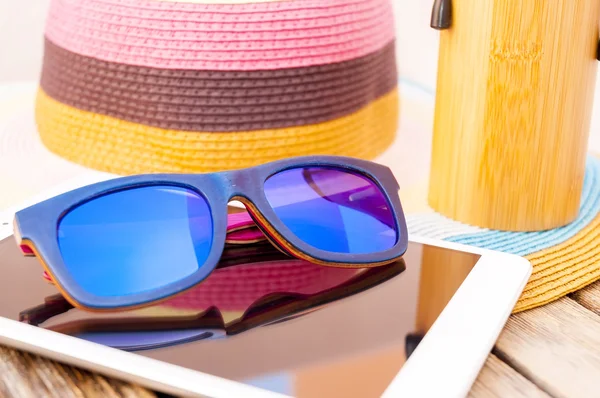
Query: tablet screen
{"x": 264, "y": 319}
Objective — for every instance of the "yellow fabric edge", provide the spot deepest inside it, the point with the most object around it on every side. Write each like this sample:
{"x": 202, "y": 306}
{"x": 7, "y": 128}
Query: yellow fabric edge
{"x": 555, "y": 276}
{"x": 117, "y": 146}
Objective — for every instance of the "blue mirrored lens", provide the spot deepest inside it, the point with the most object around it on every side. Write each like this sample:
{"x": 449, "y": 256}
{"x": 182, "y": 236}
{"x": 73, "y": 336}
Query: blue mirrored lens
{"x": 333, "y": 210}
{"x": 136, "y": 240}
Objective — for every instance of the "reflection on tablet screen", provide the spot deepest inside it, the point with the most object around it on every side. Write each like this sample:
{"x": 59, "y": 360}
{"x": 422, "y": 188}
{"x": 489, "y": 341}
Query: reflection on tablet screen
{"x": 265, "y": 319}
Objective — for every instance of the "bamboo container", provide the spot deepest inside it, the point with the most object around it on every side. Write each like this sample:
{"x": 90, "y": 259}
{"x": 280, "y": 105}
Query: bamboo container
{"x": 513, "y": 107}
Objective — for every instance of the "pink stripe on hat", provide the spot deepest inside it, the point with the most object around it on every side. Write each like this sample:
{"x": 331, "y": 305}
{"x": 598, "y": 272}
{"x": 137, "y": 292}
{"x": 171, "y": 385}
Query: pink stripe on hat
{"x": 270, "y": 35}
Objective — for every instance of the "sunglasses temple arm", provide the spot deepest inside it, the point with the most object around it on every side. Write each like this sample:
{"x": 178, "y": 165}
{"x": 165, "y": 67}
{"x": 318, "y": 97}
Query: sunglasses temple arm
{"x": 53, "y": 306}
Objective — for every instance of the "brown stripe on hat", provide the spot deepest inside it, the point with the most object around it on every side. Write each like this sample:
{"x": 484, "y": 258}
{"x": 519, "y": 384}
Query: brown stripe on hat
{"x": 228, "y": 75}
{"x": 178, "y": 90}
{"x": 218, "y": 101}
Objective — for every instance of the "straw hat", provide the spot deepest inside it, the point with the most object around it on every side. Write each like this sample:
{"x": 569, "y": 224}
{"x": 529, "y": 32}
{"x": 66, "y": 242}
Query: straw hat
{"x": 136, "y": 86}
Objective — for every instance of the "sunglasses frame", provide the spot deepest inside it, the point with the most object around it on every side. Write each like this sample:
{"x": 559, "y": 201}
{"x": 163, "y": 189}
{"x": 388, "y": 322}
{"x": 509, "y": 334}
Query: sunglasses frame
{"x": 36, "y": 227}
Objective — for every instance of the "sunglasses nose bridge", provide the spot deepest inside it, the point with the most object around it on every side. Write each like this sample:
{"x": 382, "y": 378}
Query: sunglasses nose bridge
{"x": 240, "y": 183}
{"x": 222, "y": 182}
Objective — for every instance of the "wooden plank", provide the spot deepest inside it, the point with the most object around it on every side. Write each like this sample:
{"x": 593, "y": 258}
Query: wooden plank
{"x": 589, "y": 297}
{"x": 497, "y": 379}
{"x": 556, "y": 346}
{"x": 26, "y": 375}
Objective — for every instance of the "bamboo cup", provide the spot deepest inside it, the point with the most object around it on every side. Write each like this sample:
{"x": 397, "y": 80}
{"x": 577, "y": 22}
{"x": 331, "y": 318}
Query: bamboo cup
{"x": 513, "y": 107}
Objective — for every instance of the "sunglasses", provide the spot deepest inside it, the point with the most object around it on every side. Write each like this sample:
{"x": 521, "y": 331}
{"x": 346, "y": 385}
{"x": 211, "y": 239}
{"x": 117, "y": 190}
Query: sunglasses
{"x": 241, "y": 295}
{"x": 133, "y": 241}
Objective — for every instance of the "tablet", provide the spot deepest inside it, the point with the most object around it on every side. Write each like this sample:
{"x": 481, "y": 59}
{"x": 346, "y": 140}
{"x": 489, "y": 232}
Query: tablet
{"x": 274, "y": 326}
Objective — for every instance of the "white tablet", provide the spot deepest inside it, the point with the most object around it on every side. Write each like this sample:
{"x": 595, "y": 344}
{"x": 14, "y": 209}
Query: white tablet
{"x": 420, "y": 327}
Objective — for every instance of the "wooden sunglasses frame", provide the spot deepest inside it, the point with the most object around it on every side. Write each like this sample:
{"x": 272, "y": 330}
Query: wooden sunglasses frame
{"x": 36, "y": 227}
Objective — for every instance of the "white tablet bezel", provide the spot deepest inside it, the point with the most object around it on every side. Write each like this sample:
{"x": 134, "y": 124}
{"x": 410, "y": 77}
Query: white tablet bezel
{"x": 445, "y": 363}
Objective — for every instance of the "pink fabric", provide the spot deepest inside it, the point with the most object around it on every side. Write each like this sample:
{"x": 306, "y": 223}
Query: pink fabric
{"x": 257, "y": 36}
{"x": 241, "y": 229}
{"x": 245, "y": 235}
{"x": 239, "y": 220}
{"x": 236, "y": 288}
{"x": 26, "y": 250}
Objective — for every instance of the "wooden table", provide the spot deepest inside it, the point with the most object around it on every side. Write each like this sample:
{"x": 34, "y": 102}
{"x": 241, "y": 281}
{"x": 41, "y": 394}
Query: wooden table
{"x": 551, "y": 351}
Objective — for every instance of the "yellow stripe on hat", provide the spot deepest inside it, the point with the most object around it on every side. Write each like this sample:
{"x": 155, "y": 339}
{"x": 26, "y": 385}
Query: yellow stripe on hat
{"x": 563, "y": 269}
{"x": 109, "y": 144}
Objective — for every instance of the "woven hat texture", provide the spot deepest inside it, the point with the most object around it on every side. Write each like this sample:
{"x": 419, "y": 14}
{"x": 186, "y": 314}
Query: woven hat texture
{"x": 134, "y": 86}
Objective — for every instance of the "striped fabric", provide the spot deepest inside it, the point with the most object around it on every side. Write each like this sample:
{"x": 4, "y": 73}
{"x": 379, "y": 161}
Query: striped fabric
{"x": 138, "y": 86}
{"x": 263, "y": 36}
{"x": 564, "y": 259}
